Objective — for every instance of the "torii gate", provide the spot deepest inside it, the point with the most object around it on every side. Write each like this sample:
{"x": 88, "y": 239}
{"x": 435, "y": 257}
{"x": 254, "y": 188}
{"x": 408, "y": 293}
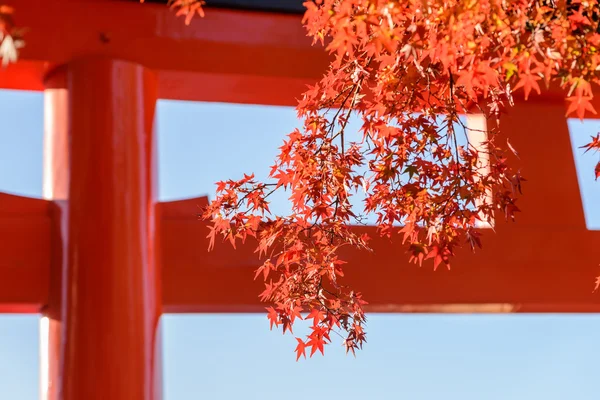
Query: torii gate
{"x": 101, "y": 259}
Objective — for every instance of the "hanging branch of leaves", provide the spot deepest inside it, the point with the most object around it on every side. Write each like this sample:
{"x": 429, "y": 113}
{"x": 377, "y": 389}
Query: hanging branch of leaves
{"x": 408, "y": 70}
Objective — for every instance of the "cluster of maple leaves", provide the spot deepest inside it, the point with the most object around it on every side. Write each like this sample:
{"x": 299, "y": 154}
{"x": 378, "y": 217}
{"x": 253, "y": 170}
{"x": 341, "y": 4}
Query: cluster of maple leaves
{"x": 408, "y": 70}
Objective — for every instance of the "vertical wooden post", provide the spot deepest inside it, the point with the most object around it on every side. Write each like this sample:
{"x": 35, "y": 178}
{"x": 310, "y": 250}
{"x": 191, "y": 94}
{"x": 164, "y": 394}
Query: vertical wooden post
{"x": 551, "y": 195}
{"x": 111, "y": 287}
{"x": 55, "y": 187}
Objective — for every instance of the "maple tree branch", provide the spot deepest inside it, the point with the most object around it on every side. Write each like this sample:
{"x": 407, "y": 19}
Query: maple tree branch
{"x": 435, "y": 60}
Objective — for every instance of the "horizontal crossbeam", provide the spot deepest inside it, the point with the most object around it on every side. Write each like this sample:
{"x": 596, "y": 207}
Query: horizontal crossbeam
{"x": 25, "y": 252}
{"x": 520, "y": 269}
{"x": 230, "y": 55}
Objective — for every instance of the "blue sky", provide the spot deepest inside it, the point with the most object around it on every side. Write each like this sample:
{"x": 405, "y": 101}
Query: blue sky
{"x": 236, "y": 356}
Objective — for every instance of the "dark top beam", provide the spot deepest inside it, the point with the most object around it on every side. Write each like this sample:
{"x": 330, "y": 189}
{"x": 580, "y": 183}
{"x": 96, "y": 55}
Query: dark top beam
{"x": 281, "y": 6}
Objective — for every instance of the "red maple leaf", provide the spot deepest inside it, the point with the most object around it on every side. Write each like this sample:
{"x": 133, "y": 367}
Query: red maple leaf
{"x": 528, "y": 82}
{"x": 580, "y": 104}
{"x": 350, "y": 346}
{"x": 439, "y": 255}
{"x": 273, "y": 317}
{"x": 300, "y": 349}
{"x": 316, "y": 343}
{"x": 593, "y": 145}
{"x": 316, "y": 315}
{"x": 188, "y": 8}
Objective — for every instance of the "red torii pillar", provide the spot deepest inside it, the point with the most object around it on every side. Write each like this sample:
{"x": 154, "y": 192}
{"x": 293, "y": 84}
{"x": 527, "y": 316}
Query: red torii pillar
{"x": 102, "y": 339}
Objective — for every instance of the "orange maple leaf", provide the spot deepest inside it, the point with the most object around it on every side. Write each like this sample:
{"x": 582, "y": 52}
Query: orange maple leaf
{"x": 528, "y": 82}
{"x": 580, "y": 104}
{"x": 300, "y": 349}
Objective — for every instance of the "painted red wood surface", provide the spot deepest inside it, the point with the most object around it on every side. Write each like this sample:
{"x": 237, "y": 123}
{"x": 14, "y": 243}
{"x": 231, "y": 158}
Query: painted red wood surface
{"x": 229, "y": 56}
{"x": 102, "y": 65}
{"x": 111, "y": 288}
{"x": 25, "y": 253}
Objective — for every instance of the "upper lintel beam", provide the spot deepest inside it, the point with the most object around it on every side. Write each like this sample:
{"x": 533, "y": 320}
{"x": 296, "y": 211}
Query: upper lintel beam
{"x": 230, "y": 55}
